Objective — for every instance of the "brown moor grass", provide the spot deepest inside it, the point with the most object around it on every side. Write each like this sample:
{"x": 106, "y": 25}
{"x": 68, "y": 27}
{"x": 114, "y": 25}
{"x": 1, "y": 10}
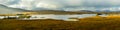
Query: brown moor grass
{"x": 93, "y": 23}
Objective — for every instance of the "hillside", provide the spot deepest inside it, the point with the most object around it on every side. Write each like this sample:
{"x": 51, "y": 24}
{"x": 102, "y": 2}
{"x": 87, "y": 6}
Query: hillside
{"x": 61, "y": 12}
{"x": 8, "y": 10}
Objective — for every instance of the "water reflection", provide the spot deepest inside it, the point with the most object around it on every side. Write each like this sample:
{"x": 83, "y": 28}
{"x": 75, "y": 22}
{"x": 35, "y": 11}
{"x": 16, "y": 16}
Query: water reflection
{"x": 62, "y": 17}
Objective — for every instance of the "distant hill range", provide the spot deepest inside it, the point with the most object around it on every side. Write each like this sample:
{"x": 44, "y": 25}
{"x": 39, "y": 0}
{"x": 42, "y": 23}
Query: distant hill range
{"x": 8, "y": 10}
{"x": 62, "y": 12}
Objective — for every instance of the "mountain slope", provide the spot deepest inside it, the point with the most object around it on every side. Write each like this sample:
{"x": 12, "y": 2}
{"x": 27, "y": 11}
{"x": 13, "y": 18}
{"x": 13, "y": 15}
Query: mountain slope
{"x": 62, "y": 12}
{"x": 8, "y": 10}
{"x": 85, "y": 11}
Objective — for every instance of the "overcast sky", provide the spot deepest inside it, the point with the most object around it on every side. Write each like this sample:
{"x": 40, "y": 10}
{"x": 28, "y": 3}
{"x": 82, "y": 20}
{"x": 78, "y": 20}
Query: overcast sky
{"x": 68, "y": 5}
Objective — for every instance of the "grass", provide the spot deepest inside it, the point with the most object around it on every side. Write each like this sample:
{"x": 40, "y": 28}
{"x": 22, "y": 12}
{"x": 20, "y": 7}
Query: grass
{"x": 92, "y": 23}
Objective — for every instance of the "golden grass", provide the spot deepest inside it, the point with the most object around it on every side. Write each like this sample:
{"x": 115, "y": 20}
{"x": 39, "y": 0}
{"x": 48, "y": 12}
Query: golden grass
{"x": 92, "y": 23}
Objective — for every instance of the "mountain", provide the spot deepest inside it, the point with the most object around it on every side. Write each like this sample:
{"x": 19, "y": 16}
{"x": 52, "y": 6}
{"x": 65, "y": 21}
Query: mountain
{"x": 85, "y": 12}
{"x": 107, "y": 11}
{"x": 103, "y": 11}
{"x": 8, "y": 10}
{"x": 62, "y": 12}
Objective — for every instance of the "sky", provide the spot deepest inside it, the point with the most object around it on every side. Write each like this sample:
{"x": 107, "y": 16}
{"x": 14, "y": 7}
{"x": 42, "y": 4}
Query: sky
{"x": 67, "y": 5}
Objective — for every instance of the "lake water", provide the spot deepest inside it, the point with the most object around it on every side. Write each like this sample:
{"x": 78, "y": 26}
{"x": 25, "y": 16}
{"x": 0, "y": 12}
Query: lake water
{"x": 62, "y": 17}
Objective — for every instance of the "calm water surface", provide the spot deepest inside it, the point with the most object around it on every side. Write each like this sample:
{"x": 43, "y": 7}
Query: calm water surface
{"x": 63, "y": 17}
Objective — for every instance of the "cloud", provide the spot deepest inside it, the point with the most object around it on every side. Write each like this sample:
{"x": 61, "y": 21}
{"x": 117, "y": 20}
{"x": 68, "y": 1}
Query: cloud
{"x": 64, "y": 4}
